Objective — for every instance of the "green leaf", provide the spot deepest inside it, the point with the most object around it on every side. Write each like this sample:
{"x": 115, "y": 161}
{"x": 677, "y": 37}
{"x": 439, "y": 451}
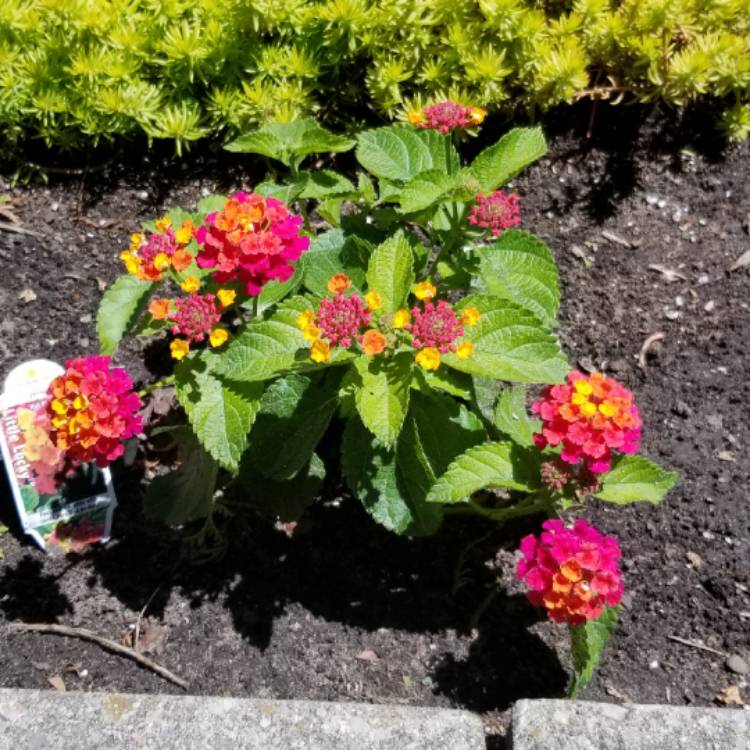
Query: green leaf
{"x": 221, "y": 412}
{"x": 286, "y": 193}
{"x": 587, "y": 641}
{"x": 265, "y": 348}
{"x": 443, "y": 379}
{"x": 511, "y": 417}
{"x": 390, "y": 272}
{"x": 290, "y": 142}
{"x": 294, "y": 414}
{"x": 634, "y": 479}
{"x": 370, "y": 472}
{"x": 426, "y": 189}
{"x": 485, "y": 392}
{"x": 118, "y": 310}
{"x": 519, "y": 267}
{"x": 505, "y": 159}
{"x": 486, "y": 465}
{"x": 510, "y": 343}
{"x": 274, "y": 291}
{"x": 185, "y": 494}
{"x": 398, "y": 153}
{"x": 285, "y": 500}
{"x": 382, "y": 394}
{"x": 211, "y": 203}
{"x": 324, "y": 183}
{"x": 436, "y": 431}
{"x": 331, "y": 253}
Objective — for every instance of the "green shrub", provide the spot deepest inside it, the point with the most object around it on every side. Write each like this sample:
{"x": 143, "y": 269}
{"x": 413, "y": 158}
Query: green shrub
{"x": 76, "y": 71}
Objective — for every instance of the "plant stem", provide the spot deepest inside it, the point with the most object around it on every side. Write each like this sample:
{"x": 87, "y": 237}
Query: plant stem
{"x": 256, "y": 305}
{"x": 163, "y": 383}
{"x": 527, "y": 507}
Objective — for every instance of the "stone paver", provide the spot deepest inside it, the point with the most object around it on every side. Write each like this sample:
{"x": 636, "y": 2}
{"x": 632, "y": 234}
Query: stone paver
{"x": 579, "y": 725}
{"x": 49, "y": 720}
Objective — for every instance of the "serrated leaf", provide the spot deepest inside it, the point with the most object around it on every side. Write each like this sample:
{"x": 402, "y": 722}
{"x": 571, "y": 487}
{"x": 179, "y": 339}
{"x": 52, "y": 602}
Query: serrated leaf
{"x": 502, "y": 161}
{"x": 324, "y": 183}
{"x": 519, "y": 267}
{"x": 335, "y": 252}
{"x": 220, "y": 411}
{"x": 294, "y": 414}
{"x": 119, "y": 309}
{"x": 485, "y": 392}
{"x": 290, "y": 142}
{"x": 286, "y": 193}
{"x": 426, "y": 189}
{"x": 265, "y": 348}
{"x": 185, "y": 494}
{"x": 510, "y": 343}
{"x": 285, "y": 500}
{"x": 443, "y": 379}
{"x": 382, "y": 394}
{"x": 211, "y": 203}
{"x": 370, "y": 472}
{"x": 512, "y": 417}
{"x": 436, "y": 431}
{"x": 398, "y": 153}
{"x": 587, "y": 642}
{"x": 488, "y": 465}
{"x": 634, "y": 479}
{"x": 390, "y": 272}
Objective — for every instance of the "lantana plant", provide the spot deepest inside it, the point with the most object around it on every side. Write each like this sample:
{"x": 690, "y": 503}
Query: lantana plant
{"x": 394, "y": 344}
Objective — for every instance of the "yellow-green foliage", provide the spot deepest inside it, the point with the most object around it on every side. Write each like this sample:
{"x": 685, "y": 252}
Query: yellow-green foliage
{"x": 78, "y": 70}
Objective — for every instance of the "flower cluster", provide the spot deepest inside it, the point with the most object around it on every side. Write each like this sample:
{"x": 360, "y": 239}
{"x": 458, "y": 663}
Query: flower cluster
{"x": 149, "y": 256}
{"x": 572, "y": 571}
{"x": 556, "y": 475}
{"x": 340, "y": 318}
{"x": 45, "y": 459}
{"x": 496, "y": 211}
{"x": 252, "y": 240}
{"x": 447, "y": 116}
{"x": 91, "y": 410}
{"x": 589, "y": 417}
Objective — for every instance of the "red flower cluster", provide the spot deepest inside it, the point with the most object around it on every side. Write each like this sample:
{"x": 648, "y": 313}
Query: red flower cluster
{"x": 340, "y": 319}
{"x": 447, "y": 116}
{"x": 497, "y": 211}
{"x": 149, "y": 256}
{"x": 252, "y": 240}
{"x": 590, "y": 416}
{"x": 435, "y": 326}
{"x": 572, "y": 571}
{"x": 91, "y": 410}
{"x": 195, "y": 316}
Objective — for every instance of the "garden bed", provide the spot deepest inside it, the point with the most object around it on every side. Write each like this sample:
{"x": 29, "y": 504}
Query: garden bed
{"x": 645, "y": 230}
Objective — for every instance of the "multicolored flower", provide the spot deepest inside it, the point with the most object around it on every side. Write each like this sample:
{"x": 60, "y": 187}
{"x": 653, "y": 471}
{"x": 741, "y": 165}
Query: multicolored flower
{"x": 497, "y": 212}
{"x": 195, "y": 316}
{"x": 435, "y": 326}
{"x": 45, "y": 459}
{"x": 252, "y": 240}
{"x": 572, "y": 571}
{"x": 149, "y": 256}
{"x": 340, "y": 318}
{"x": 339, "y": 283}
{"x": 91, "y": 410}
{"x": 589, "y": 417}
{"x": 446, "y": 116}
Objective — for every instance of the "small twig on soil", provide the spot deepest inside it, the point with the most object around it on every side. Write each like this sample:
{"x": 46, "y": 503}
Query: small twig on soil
{"x": 105, "y": 643}
{"x": 693, "y": 644}
{"x": 647, "y": 344}
{"x": 482, "y": 607}
{"x": 17, "y": 230}
{"x": 137, "y": 629}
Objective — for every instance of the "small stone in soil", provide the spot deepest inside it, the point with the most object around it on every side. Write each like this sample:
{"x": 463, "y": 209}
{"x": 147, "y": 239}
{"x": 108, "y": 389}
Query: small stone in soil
{"x": 737, "y": 664}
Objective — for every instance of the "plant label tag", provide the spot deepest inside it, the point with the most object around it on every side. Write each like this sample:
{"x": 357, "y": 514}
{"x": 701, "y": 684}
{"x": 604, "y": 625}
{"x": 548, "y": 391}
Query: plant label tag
{"x": 57, "y": 506}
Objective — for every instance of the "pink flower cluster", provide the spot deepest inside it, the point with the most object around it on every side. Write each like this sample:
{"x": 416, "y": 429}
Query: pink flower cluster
{"x": 91, "y": 410}
{"x": 195, "y": 316}
{"x": 253, "y": 240}
{"x": 447, "y": 116}
{"x": 497, "y": 211}
{"x": 340, "y": 318}
{"x": 435, "y": 326}
{"x": 589, "y": 416}
{"x": 572, "y": 571}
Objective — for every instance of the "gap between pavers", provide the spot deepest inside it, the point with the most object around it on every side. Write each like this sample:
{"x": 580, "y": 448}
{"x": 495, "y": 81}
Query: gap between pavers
{"x": 580, "y": 725}
{"x": 49, "y": 720}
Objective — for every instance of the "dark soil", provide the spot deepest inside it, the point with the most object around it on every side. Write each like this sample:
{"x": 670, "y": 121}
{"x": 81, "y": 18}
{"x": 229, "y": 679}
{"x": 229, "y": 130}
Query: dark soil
{"x": 346, "y": 611}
